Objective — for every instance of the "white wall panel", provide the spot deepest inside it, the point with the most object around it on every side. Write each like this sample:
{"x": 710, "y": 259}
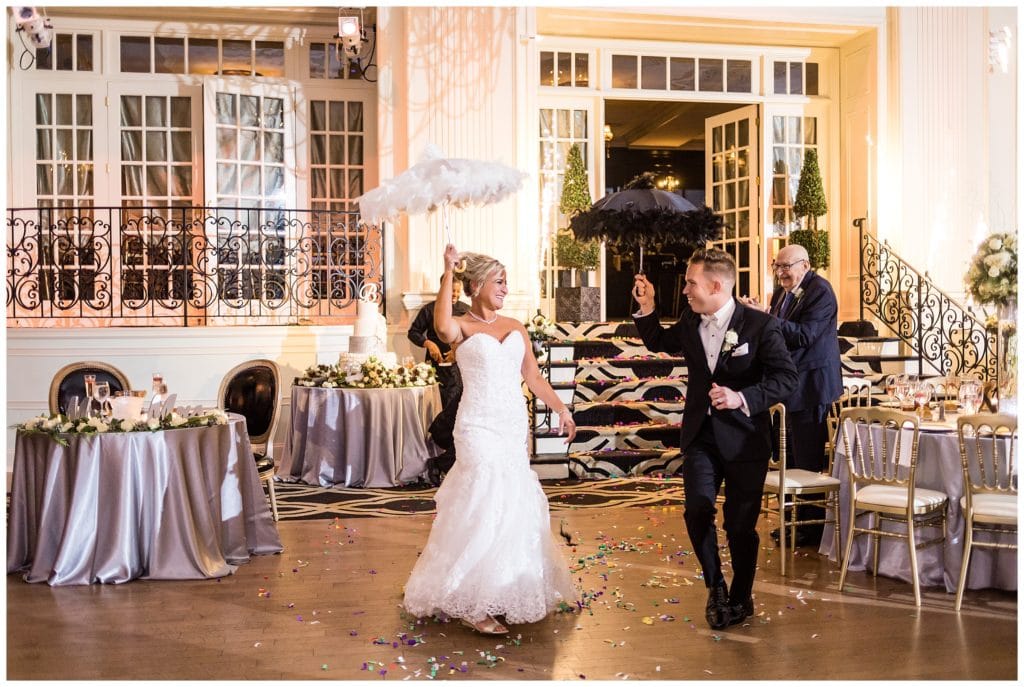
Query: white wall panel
{"x": 192, "y": 360}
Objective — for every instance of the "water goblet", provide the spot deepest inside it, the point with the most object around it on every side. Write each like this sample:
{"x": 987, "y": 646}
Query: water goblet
{"x": 408, "y": 362}
{"x": 970, "y": 396}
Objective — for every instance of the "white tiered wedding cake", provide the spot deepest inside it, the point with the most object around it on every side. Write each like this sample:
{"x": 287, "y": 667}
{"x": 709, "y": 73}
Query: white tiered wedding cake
{"x": 370, "y": 335}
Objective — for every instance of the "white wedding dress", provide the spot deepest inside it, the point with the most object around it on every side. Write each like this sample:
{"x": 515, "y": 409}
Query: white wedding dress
{"x": 490, "y": 550}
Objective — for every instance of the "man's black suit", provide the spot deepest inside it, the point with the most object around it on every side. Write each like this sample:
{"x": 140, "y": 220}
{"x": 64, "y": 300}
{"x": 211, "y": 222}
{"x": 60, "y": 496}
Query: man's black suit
{"x": 726, "y": 444}
{"x": 810, "y": 329}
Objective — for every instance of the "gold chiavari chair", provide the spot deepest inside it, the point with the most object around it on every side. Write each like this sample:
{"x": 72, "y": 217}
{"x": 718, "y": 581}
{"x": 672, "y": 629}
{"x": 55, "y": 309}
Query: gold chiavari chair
{"x": 882, "y": 484}
{"x": 988, "y": 443}
{"x": 784, "y": 484}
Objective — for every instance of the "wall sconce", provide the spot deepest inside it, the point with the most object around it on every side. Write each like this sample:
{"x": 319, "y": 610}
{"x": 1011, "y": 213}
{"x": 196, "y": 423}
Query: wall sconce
{"x": 608, "y": 135}
{"x": 999, "y": 44}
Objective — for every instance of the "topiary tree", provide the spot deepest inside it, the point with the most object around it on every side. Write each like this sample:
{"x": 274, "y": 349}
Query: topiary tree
{"x": 810, "y": 203}
{"x": 575, "y": 186}
{"x": 570, "y": 253}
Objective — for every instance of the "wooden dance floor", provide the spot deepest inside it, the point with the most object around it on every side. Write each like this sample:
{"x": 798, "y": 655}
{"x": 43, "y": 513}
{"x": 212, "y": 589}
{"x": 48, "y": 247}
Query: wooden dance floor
{"x": 329, "y": 608}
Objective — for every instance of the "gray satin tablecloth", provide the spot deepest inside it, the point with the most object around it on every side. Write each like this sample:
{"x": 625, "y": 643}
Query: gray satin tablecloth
{"x": 176, "y": 504}
{"x": 938, "y": 468}
{"x": 359, "y": 437}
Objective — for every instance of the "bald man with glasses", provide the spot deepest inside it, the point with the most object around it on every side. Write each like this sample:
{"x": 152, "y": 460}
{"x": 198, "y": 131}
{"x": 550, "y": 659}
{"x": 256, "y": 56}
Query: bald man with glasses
{"x": 806, "y": 308}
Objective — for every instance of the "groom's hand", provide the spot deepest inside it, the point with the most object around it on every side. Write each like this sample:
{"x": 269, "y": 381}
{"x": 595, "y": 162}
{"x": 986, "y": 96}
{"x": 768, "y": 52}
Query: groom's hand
{"x": 724, "y": 398}
{"x": 643, "y": 292}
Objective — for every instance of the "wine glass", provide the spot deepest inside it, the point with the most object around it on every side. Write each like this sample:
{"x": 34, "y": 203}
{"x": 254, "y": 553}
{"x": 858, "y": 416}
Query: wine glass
{"x": 922, "y": 394}
{"x": 901, "y": 389}
{"x": 101, "y": 392}
{"x": 408, "y": 362}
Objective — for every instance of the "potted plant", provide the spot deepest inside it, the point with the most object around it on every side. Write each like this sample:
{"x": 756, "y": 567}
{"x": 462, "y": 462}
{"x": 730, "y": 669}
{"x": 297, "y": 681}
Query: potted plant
{"x": 576, "y": 303}
{"x": 810, "y": 203}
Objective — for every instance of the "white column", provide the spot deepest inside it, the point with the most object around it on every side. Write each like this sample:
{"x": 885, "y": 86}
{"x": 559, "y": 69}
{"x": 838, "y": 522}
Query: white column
{"x": 944, "y": 121}
{"x": 452, "y": 83}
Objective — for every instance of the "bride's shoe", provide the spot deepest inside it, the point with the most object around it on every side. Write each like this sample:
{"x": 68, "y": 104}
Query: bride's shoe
{"x": 487, "y": 626}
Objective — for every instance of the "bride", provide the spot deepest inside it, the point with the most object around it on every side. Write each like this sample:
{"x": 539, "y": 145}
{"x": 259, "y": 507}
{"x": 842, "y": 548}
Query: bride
{"x": 490, "y": 551}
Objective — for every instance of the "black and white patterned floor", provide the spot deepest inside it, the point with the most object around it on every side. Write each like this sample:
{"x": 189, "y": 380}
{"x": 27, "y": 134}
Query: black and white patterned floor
{"x": 304, "y": 502}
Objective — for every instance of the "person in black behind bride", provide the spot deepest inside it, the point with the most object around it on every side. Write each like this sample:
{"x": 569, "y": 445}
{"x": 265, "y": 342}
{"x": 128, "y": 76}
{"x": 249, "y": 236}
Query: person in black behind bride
{"x": 439, "y": 354}
{"x": 490, "y": 551}
{"x": 737, "y": 367}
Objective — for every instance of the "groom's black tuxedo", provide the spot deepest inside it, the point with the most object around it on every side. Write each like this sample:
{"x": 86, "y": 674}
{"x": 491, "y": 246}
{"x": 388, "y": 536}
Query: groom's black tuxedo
{"x": 726, "y": 444}
{"x": 764, "y": 374}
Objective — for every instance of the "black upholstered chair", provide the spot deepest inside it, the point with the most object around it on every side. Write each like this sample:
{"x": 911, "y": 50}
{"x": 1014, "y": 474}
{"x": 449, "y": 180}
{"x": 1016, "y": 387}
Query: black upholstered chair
{"x": 69, "y": 382}
{"x": 251, "y": 390}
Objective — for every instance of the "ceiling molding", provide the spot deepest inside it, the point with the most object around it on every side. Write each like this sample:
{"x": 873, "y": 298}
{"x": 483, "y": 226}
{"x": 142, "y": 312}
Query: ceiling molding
{"x": 578, "y": 23}
{"x": 284, "y": 16}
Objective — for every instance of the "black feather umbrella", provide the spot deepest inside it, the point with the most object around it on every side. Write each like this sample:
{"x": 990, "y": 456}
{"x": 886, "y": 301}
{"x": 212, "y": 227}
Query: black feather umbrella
{"x": 642, "y": 216}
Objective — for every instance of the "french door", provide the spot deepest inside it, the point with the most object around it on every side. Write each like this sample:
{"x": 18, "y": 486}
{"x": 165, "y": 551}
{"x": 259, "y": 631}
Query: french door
{"x": 731, "y": 182}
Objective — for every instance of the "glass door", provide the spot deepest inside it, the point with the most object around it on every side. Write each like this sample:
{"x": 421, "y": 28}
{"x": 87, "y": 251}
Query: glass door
{"x": 731, "y": 183}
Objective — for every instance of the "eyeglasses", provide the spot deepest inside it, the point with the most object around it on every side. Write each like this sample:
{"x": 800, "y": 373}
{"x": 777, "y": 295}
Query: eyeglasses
{"x": 785, "y": 266}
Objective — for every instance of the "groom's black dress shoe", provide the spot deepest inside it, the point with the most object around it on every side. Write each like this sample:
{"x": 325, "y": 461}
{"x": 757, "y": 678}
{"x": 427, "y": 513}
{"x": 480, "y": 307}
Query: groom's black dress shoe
{"x": 717, "y": 612}
{"x": 740, "y": 611}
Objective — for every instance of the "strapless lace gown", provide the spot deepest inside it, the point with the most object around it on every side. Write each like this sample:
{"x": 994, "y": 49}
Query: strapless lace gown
{"x": 490, "y": 550}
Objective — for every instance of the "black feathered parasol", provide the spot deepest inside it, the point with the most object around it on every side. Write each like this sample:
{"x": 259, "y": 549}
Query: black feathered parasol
{"x": 643, "y": 217}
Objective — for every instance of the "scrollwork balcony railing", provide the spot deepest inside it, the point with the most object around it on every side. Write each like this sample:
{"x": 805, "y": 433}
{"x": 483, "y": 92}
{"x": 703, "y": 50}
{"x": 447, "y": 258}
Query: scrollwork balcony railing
{"x": 944, "y": 334}
{"x": 194, "y": 266}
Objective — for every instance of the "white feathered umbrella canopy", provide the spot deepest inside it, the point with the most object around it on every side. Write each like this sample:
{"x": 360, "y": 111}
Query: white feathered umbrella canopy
{"x": 437, "y": 182}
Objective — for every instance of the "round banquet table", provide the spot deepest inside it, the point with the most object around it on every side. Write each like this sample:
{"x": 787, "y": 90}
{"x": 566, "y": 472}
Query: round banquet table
{"x": 359, "y": 437}
{"x": 175, "y": 504}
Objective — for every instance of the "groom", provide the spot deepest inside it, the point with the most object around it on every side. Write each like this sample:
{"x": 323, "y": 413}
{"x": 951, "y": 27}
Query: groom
{"x": 738, "y": 367}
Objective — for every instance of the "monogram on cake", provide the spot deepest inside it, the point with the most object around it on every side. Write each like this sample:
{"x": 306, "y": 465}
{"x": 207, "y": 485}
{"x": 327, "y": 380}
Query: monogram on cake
{"x": 370, "y": 334}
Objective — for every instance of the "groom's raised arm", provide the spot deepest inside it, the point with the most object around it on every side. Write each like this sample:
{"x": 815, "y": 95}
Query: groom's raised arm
{"x": 657, "y": 339}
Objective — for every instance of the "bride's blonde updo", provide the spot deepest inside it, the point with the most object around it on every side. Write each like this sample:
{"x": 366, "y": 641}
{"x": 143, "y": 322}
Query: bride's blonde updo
{"x": 476, "y": 267}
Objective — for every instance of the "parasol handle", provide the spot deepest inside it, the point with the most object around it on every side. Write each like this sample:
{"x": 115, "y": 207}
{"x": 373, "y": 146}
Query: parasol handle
{"x": 641, "y": 259}
{"x": 447, "y": 230}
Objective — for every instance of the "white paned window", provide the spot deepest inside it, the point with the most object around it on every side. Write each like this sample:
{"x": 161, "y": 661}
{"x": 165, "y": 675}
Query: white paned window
{"x": 560, "y": 128}
{"x": 180, "y": 55}
{"x": 795, "y": 78}
{"x": 671, "y": 73}
{"x": 336, "y": 158}
{"x": 791, "y": 137}
{"x": 156, "y": 151}
{"x": 64, "y": 149}
{"x": 565, "y": 69}
{"x": 327, "y": 61}
{"x": 67, "y": 52}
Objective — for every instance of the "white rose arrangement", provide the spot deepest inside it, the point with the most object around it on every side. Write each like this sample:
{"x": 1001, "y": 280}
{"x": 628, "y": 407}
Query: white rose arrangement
{"x": 991, "y": 278}
{"x": 60, "y": 427}
{"x": 372, "y": 374}
{"x": 541, "y": 328}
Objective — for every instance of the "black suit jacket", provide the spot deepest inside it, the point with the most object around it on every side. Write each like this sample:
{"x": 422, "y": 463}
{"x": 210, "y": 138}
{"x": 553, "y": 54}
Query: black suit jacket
{"x": 764, "y": 374}
{"x": 810, "y": 329}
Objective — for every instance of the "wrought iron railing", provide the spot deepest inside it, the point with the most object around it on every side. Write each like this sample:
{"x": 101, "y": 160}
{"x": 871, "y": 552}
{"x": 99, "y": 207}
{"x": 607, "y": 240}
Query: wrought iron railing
{"x": 191, "y": 266}
{"x": 944, "y": 335}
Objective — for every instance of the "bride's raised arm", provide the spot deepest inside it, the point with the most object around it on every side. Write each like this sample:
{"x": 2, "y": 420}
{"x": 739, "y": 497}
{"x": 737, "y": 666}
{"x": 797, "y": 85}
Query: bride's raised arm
{"x": 447, "y": 328}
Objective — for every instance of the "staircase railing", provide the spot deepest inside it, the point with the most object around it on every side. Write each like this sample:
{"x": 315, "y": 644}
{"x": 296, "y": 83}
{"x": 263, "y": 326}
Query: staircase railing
{"x": 940, "y": 331}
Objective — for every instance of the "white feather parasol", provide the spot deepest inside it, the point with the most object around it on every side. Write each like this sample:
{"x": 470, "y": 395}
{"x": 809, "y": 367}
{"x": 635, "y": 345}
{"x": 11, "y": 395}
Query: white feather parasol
{"x": 436, "y": 181}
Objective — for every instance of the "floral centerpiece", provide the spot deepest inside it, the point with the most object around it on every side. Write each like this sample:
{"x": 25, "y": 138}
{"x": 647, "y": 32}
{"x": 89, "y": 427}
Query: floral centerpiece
{"x": 992, "y": 276}
{"x": 992, "y": 280}
{"x": 540, "y": 328}
{"x": 60, "y": 427}
{"x": 372, "y": 374}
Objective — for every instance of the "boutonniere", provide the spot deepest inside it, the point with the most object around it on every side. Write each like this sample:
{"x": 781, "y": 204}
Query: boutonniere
{"x": 798, "y": 293}
{"x": 731, "y": 339}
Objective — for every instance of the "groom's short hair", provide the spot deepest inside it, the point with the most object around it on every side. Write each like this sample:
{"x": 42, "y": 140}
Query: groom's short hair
{"x": 716, "y": 262}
